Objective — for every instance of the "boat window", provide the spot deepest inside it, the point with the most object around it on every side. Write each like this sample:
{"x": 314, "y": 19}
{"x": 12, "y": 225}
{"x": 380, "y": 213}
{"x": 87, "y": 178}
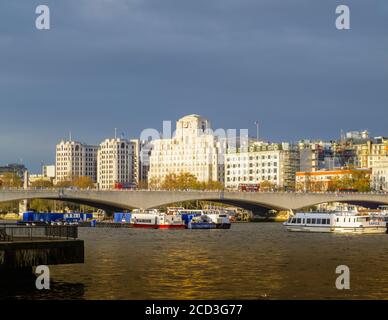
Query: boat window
{"x": 308, "y": 221}
{"x": 313, "y": 221}
{"x": 293, "y": 221}
{"x": 298, "y": 220}
{"x": 318, "y": 221}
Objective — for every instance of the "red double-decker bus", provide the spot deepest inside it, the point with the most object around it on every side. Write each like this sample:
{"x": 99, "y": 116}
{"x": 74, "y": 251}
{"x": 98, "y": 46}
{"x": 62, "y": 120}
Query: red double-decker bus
{"x": 125, "y": 186}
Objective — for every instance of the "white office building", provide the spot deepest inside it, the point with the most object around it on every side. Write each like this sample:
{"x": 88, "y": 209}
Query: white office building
{"x": 75, "y": 159}
{"x": 48, "y": 171}
{"x": 118, "y": 163}
{"x": 261, "y": 161}
{"x": 193, "y": 149}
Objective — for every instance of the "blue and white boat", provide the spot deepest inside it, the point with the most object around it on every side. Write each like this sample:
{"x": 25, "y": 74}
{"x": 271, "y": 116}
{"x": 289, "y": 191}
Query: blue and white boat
{"x": 205, "y": 219}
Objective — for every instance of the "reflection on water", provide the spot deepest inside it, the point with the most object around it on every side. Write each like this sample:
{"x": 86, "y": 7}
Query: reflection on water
{"x": 250, "y": 261}
{"x": 58, "y": 291}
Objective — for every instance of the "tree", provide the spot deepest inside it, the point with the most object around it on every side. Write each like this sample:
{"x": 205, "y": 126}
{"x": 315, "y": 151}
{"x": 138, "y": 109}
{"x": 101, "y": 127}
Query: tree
{"x": 11, "y": 180}
{"x": 267, "y": 186}
{"x": 81, "y": 182}
{"x": 41, "y": 183}
{"x": 153, "y": 184}
{"x": 356, "y": 180}
{"x": 183, "y": 181}
{"x": 143, "y": 185}
{"x": 212, "y": 185}
{"x": 41, "y": 205}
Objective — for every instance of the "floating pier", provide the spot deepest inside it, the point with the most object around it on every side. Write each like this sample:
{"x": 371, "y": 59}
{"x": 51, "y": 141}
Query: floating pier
{"x": 24, "y": 247}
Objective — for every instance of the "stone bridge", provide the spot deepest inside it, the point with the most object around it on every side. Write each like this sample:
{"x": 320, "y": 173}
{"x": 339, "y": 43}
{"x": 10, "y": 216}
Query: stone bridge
{"x": 119, "y": 200}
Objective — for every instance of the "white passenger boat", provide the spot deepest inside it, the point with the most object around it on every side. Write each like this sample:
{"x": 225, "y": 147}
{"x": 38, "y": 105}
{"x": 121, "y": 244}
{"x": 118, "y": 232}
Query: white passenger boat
{"x": 153, "y": 219}
{"x": 337, "y": 222}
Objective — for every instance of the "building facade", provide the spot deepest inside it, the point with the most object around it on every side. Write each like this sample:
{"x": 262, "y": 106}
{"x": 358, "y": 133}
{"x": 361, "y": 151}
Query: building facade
{"x": 75, "y": 159}
{"x": 193, "y": 149}
{"x": 379, "y": 180}
{"x": 117, "y": 163}
{"x": 48, "y": 171}
{"x": 371, "y": 151}
{"x": 274, "y": 163}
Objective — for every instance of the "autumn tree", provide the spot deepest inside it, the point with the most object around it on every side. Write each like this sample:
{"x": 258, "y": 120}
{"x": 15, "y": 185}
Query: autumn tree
{"x": 11, "y": 180}
{"x": 41, "y": 183}
{"x": 267, "y": 186}
{"x": 183, "y": 181}
{"x": 78, "y": 182}
{"x": 153, "y": 184}
{"x": 212, "y": 185}
{"x": 188, "y": 181}
{"x": 356, "y": 180}
{"x": 83, "y": 182}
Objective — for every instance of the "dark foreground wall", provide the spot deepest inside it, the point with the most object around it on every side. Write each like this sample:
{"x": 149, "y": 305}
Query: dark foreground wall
{"x": 28, "y": 254}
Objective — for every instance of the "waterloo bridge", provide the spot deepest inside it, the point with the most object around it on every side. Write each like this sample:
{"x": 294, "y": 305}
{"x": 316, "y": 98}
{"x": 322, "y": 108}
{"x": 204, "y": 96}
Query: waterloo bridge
{"x": 256, "y": 201}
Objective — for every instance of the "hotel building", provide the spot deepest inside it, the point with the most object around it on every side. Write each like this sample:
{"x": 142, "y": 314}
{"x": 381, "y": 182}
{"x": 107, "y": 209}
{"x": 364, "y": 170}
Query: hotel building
{"x": 192, "y": 149}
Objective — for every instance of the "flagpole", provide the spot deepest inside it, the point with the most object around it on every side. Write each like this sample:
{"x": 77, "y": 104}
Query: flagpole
{"x": 257, "y": 130}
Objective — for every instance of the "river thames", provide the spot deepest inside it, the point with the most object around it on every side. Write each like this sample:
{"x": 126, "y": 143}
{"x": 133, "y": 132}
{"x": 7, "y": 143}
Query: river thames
{"x": 250, "y": 261}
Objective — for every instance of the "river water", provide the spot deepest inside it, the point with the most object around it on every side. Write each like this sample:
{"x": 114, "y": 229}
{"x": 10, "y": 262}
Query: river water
{"x": 250, "y": 261}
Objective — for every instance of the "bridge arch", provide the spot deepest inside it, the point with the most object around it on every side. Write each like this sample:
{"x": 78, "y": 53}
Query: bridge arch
{"x": 106, "y": 205}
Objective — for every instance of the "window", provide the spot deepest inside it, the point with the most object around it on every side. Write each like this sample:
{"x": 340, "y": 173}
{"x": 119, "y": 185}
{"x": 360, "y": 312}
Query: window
{"x": 313, "y": 221}
{"x": 308, "y": 221}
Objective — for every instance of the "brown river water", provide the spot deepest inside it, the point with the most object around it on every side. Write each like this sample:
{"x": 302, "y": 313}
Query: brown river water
{"x": 250, "y": 261}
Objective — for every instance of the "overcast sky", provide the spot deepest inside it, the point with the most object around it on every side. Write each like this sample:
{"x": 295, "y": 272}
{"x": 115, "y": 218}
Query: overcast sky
{"x": 130, "y": 64}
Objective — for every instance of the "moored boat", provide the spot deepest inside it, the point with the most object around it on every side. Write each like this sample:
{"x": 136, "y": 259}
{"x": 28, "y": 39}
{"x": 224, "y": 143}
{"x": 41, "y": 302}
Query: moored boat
{"x": 350, "y": 221}
{"x": 205, "y": 219}
{"x": 156, "y": 220}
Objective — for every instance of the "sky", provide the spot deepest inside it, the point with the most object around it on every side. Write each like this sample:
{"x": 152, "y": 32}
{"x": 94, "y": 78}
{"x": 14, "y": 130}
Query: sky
{"x": 130, "y": 64}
